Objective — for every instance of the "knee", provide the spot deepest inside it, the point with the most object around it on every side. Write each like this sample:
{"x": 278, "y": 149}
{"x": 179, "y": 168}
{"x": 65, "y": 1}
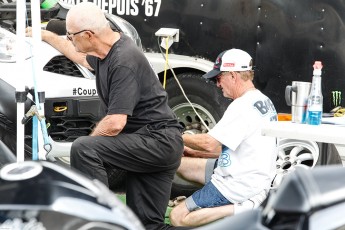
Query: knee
{"x": 177, "y": 215}
{"x": 173, "y": 217}
{"x": 79, "y": 142}
{"x": 78, "y": 146}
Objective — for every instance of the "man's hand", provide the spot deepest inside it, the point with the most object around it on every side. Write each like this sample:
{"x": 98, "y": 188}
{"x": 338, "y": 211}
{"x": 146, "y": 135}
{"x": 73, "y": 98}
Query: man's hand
{"x": 28, "y": 32}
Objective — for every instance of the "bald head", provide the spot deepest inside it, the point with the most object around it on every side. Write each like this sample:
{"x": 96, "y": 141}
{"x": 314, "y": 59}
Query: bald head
{"x": 86, "y": 16}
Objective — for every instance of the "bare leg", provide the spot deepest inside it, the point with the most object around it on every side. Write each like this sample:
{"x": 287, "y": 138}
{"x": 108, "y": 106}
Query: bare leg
{"x": 192, "y": 169}
{"x": 181, "y": 216}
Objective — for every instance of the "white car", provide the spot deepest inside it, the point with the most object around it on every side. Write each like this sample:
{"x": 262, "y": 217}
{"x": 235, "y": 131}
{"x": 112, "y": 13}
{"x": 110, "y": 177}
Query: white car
{"x": 71, "y": 107}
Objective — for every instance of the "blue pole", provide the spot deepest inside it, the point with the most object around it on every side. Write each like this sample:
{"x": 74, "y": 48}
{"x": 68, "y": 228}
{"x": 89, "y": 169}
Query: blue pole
{"x": 34, "y": 138}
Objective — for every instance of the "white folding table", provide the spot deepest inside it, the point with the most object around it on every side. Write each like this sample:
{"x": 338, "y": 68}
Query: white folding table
{"x": 325, "y": 133}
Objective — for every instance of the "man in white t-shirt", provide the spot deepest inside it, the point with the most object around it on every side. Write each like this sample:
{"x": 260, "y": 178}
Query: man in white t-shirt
{"x": 246, "y": 160}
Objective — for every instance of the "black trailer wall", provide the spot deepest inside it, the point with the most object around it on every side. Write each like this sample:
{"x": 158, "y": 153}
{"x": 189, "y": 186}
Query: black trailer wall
{"x": 285, "y": 37}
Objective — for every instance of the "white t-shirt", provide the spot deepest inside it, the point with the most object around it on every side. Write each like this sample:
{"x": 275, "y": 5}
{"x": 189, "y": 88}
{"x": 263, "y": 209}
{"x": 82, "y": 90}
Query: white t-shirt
{"x": 247, "y": 163}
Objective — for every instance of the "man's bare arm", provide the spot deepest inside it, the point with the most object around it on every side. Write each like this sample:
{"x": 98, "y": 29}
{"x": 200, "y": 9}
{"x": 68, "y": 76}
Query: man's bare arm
{"x": 63, "y": 45}
{"x": 189, "y": 152}
{"x": 203, "y": 142}
{"x": 110, "y": 125}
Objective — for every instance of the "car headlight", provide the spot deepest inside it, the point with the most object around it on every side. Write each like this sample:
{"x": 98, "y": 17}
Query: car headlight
{"x": 8, "y": 46}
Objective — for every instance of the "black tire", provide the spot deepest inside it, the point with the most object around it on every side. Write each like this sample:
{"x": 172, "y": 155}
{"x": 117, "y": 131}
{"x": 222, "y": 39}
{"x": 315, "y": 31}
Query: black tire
{"x": 205, "y": 96}
{"x": 208, "y": 101}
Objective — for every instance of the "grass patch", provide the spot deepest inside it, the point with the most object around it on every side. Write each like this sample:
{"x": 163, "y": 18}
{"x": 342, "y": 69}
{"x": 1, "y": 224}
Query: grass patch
{"x": 122, "y": 197}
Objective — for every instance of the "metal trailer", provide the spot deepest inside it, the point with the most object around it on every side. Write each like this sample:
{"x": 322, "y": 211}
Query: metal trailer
{"x": 283, "y": 37}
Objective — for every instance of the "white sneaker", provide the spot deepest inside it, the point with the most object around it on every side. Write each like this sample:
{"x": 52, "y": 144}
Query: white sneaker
{"x": 252, "y": 203}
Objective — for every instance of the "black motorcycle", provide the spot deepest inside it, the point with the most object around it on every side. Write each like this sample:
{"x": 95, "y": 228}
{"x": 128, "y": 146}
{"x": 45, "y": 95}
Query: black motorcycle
{"x": 43, "y": 195}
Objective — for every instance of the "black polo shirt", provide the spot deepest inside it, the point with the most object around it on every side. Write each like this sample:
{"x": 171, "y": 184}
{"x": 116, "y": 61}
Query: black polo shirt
{"x": 127, "y": 84}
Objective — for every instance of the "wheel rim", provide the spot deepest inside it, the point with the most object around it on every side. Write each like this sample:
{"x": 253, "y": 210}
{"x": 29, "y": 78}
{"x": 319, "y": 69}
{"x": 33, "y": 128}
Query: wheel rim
{"x": 187, "y": 117}
{"x": 293, "y": 154}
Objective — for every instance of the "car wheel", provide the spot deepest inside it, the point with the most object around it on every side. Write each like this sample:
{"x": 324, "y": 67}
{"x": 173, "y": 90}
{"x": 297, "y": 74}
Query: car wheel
{"x": 293, "y": 154}
{"x": 209, "y": 103}
{"x": 204, "y": 95}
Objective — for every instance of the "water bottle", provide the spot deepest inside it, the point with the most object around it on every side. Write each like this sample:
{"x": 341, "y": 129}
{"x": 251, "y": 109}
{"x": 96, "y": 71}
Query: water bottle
{"x": 315, "y": 98}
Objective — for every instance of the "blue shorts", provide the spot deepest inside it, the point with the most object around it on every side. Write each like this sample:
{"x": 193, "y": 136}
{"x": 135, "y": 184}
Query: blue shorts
{"x": 207, "y": 197}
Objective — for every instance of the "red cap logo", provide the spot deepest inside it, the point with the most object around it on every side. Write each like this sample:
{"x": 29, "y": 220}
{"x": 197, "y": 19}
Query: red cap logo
{"x": 228, "y": 64}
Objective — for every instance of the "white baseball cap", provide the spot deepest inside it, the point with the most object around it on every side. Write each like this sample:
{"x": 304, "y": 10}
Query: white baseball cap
{"x": 230, "y": 60}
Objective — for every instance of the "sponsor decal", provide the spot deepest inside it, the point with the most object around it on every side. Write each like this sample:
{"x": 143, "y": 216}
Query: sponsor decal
{"x": 336, "y": 98}
{"x": 84, "y": 92}
{"x": 150, "y": 8}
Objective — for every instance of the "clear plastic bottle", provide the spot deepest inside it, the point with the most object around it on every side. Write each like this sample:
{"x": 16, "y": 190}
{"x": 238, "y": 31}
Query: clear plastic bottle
{"x": 315, "y": 98}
